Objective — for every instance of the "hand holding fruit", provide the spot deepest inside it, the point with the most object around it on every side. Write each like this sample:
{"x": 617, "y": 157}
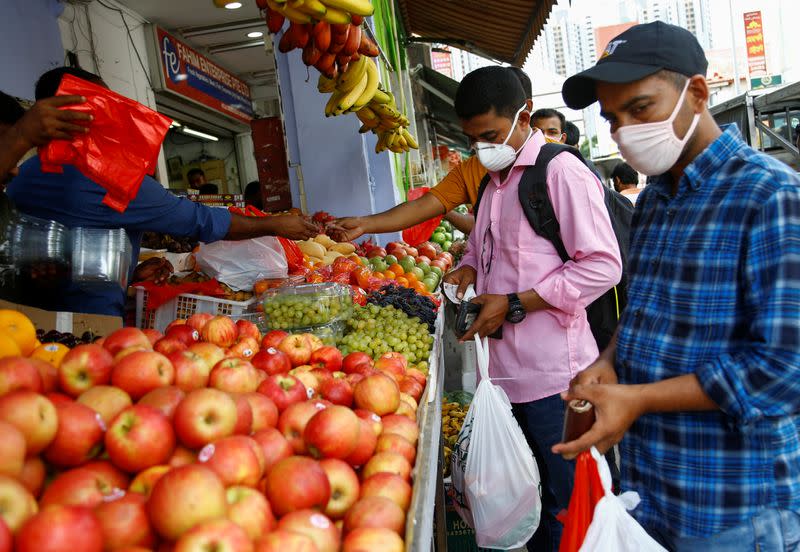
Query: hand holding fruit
{"x": 351, "y": 228}
{"x": 462, "y": 277}
{"x": 493, "y": 313}
{"x": 294, "y": 227}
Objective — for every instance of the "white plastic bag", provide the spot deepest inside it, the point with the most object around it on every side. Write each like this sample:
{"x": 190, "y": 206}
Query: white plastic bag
{"x": 612, "y": 528}
{"x": 495, "y": 478}
{"x": 239, "y": 264}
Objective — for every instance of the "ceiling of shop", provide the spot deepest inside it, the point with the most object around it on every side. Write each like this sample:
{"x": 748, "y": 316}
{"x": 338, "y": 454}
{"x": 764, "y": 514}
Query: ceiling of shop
{"x": 209, "y": 29}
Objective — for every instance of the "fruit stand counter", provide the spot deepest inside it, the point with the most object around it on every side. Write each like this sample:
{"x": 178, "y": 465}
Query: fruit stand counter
{"x": 427, "y": 473}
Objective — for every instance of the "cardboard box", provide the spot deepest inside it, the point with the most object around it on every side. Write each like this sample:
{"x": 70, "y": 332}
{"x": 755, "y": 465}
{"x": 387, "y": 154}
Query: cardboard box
{"x": 71, "y": 322}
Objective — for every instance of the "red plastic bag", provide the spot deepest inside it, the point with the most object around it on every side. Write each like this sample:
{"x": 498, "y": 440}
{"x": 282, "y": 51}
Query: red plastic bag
{"x": 586, "y": 493}
{"x": 421, "y": 232}
{"x": 294, "y": 257}
{"x": 120, "y": 148}
{"x": 157, "y": 295}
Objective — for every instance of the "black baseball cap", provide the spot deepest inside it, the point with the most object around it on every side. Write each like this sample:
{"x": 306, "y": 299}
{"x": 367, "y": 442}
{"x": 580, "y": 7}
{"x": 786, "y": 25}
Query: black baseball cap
{"x": 635, "y": 54}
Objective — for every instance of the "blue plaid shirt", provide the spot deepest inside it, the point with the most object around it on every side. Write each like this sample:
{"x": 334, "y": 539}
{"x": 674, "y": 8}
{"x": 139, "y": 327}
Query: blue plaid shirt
{"x": 715, "y": 292}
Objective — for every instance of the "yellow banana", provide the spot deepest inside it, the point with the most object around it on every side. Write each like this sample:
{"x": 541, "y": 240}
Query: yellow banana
{"x": 330, "y": 107}
{"x": 294, "y": 15}
{"x": 385, "y": 112}
{"x": 381, "y": 97}
{"x": 372, "y": 86}
{"x": 410, "y": 140}
{"x": 353, "y": 76}
{"x": 314, "y": 8}
{"x": 335, "y": 16}
{"x": 358, "y": 7}
{"x": 348, "y": 99}
{"x": 401, "y": 141}
{"x": 326, "y": 85}
{"x": 366, "y": 115}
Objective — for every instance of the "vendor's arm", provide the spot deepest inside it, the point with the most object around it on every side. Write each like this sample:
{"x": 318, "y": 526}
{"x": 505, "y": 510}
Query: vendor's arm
{"x": 397, "y": 218}
{"x": 286, "y": 226}
{"x": 463, "y": 222}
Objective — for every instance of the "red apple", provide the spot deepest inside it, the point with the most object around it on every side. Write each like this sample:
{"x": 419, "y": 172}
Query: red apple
{"x": 191, "y": 370}
{"x": 164, "y": 399}
{"x": 125, "y": 523}
{"x": 354, "y": 378}
{"x": 32, "y": 475}
{"x": 441, "y": 263}
{"x": 388, "y": 462}
{"x": 218, "y": 534}
{"x": 204, "y": 416}
{"x": 12, "y": 450}
{"x": 417, "y": 375}
{"x": 79, "y": 487}
{"x": 248, "y": 509}
{"x": 168, "y": 345}
{"x": 125, "y": 338}
{"x": 152, "y": 335}
{"x": 61, "y": 529}
{"x": 184, "y": 333}
{"x": 6, "y": 538}
{"x": 48, "y": 372}
{"x": 144, "y": 482}
{"x": 365, "y": 446}
{"x": 322, "y": 375}
{"x": 274, "y": 446}
{"x": 388, "y": 485}
{"x": 181, "y": 457}
{"x": 234, "y": 375}
{"x": 297, "y": 348}
{"x": 284, "y": 390}
{"x": 244, "y": 415}
{"x": 84, "y": 367}
{"x": 375, "y": 512}
{"x": 400, "y": 357}
{"x": 58, "y": 398}
{"x": 296, "y": 483}
{"x": 424, "y": 259}
{"x": 129, "y": 351}
{"x": 106, "y": 400}
{"x": 18, "y": 373}
{"x": 18, "y": 503}
{"x": 309, "y": 380}
{"x": 373, "y": 539}
{"x": 248, "y": 329}
{"x": 198, "y": 320}
{"x": 375, "y": 421}
{"x": 285, "y": 541}
{"x": 344, "y": 487}
{"x": 273, "y": 338}
{"x": 174, "y": 323}
{"x": 402, "y": 426}
{"x": 246, "y": 348}
{"x": 332, "y": 433}
{"x": 392, "y": 367}
{"x": 392, "y": 442}
{"x": 208, "y": 352}
{"x": 185, "y": 497}
{"x": 108, "y": 474}
{"x": 338, "y": 391}
{"x": 327, "y": 357}
{"x": 140, "y": 437}
{"x": 313, "y": 341}
{"x": 378, "y": 393}
{"x": 237, "y": 460}
{"x": 412, "y": 251}
{"x": 376, "y": 252}
{"x": 34, "y": 415}
{"x": 272, "y": 361}
{"x": 411, "y": 387}
{"x": 427, "y": 249}
{"x": 265, "y": 413}
{"x": 352, "y": 362}
{"x": 221, "y": 331}
{"x": 318, "y": 527}
{"x": 79, "y": 437}
{"x": 293, "y": 421}
{"x": 139, "y": 373}
{"x": 405, "y": 409}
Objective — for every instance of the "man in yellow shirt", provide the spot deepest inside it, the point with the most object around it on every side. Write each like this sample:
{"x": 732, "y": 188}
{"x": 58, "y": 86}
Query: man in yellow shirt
{"x": 458, "y": 187}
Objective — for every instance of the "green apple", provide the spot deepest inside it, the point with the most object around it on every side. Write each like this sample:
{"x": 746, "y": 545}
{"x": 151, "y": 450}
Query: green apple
{"x": 378, "y": 264}
{"x": 407, "y": 263}
{"x": 438, "y": 237}
{"x": 438, "y": 271}
{"x": 447, "y": 245}
{"x": 430, "y": 283}
{"x": 418, "y": 272}
{"x": 426, "y": 268}
{"x": 390, "y": 260}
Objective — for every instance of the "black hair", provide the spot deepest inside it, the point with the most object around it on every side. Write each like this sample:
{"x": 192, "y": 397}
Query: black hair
{"x": 253, "y": 188}
{"x": 208, "y": 188}
{"x": 677, "y": 80}
{"x": 626, "y": 174}
{"x": 10, "y": 110}
{"x": 546, "y": 113}
{"x": 573, "y": 134}
{"x": 524, "y": 80}
{"x": 193, "y": 172}
{"x": 489, "y": 88}
{"x": 48, "y": 83}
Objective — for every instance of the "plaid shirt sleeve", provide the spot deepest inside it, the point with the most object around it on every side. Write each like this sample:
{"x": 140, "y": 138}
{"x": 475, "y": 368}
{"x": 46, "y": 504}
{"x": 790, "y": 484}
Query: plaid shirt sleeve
{"x": 763, "y": 378}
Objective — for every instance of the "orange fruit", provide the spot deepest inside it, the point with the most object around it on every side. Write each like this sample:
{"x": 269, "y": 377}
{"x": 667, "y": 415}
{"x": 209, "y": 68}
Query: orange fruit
{"x": 389, "y": 274}
{"x": 397, "y": 269}
{"x": 8, "y": 347}
{"x": 420, "y": 287}
{"x": 402, "y": 280}
{"x": 378, "y": 275}
{"x": 51, "y": 353}
{"x": 19, "y": 328}
{"x": 412, "y": 279}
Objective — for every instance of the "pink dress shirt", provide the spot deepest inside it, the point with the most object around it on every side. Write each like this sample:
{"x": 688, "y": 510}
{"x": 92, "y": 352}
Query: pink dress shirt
{"x": 537, "y": 357}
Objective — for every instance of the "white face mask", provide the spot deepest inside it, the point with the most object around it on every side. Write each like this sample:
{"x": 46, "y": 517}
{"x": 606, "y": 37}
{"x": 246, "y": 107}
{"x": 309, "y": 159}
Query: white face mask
{"x": 496, "y": 157}
{"x": 653, "y": 148}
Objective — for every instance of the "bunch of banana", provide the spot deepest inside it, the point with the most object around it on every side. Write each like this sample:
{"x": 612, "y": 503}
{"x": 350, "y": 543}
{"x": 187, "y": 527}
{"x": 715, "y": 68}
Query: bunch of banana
{"x": 382, "y": 117}
{"x": 452, "y": 419}
{"x": 335, "y": 12}
{"x": 353, "y": 89}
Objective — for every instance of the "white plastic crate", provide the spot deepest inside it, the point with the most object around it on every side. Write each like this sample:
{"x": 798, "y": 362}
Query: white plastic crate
{"x": 183, "y": 306}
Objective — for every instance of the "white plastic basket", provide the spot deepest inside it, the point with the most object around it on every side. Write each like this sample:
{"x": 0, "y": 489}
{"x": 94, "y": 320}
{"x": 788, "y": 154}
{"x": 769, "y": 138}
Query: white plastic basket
{"x": 183, "y": 306}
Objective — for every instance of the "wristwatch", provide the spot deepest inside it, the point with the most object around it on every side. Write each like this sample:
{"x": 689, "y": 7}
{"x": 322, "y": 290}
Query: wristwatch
{"x": 516, "y": 312}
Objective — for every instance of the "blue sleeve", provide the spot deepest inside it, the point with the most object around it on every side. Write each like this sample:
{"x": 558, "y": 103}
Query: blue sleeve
{"x": 155, "y": 209}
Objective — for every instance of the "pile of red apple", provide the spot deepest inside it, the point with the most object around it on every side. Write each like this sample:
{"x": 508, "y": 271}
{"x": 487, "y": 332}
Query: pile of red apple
{"x": 210, "y": 437}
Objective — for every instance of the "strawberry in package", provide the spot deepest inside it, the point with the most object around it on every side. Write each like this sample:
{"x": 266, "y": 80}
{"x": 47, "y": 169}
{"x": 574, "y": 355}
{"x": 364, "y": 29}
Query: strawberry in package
{"x": 120, "y": 148}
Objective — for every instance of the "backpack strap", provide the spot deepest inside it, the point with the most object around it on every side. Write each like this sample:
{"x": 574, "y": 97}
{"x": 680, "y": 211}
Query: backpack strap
{"x": 481, "y": 190}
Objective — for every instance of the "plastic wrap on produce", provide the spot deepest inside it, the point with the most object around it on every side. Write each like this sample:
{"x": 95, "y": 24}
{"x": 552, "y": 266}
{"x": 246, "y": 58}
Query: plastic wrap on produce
{"x": 239, "y": 264}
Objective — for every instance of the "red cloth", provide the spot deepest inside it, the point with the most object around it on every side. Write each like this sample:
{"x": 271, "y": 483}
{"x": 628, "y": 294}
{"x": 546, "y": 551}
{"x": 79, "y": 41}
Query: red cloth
{"x": 421, "y": 232}
{"x": 586, "y": 493}
{"x": 120, "y": 148}
{"x": 158, "y": 295}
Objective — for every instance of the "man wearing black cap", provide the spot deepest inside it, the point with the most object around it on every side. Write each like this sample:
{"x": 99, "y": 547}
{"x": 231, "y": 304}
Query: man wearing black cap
{"x": 703, "y": 378}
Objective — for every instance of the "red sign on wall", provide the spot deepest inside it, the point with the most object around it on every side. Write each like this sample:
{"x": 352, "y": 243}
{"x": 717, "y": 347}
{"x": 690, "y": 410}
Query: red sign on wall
{"x": 754, "y": 39}
{"x": 192, "y": 75}
{"x": 273, "y": 165}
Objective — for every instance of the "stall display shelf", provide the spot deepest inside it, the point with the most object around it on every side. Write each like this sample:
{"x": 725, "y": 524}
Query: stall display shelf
{"x": 183, "y": 306}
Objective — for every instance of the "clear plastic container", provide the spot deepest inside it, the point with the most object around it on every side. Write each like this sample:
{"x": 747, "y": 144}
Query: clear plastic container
{"x": 291, "y": 308}
{"x": 101, "y": 256}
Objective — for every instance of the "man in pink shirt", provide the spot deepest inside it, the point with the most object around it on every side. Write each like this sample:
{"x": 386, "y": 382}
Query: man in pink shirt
{"x": 521, "y": 282}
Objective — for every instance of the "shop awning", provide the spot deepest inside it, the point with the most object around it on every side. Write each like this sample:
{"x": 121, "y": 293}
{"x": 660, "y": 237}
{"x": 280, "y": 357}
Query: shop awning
{"x": 440, "y": 91}
{"x": 501, "y": 30}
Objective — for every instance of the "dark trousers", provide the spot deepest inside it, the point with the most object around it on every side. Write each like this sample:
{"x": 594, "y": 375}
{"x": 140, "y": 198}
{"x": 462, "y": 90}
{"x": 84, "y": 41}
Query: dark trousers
{"x": 542, "y": 422}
